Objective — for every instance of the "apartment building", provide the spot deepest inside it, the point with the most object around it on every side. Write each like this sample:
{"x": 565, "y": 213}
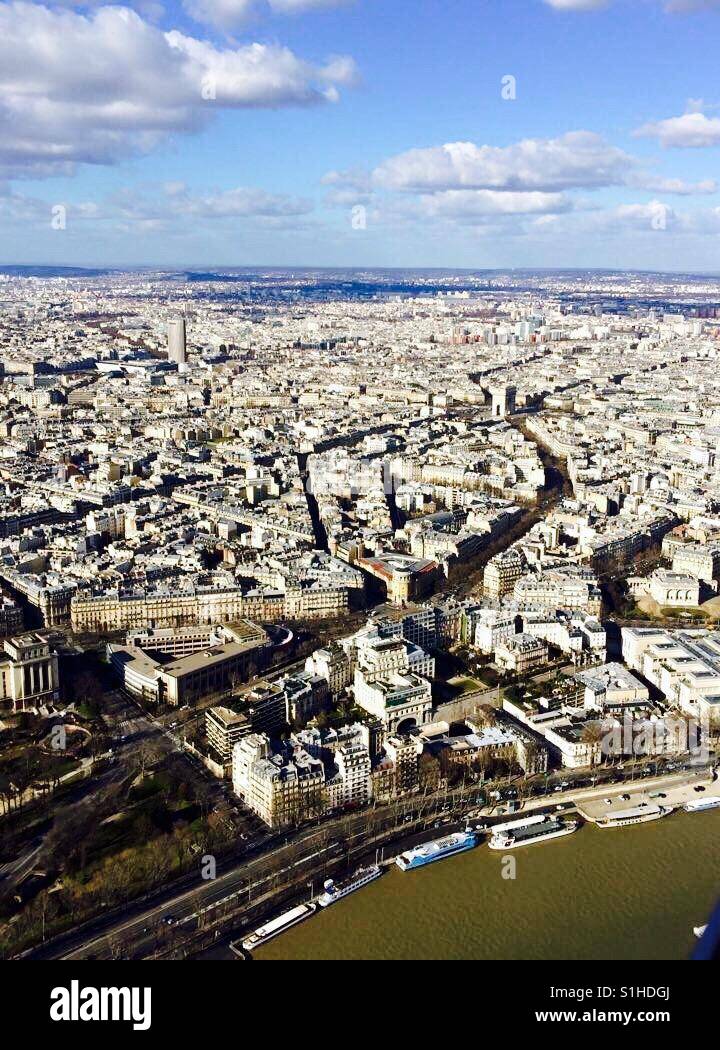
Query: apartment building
{"x": 377, "y": 656}
{"x": 698, "y": 560}
{"x": 521, "y": 654}
{"x": 306, "y": 694}
{"x": 415, "y": 623}
{"x": 282, "y": 789}
{"x": 354, "y": 768}
{"x": 558, "y": 590}
{"x": 405, "y": 578}
{"x": 224, "y": 728}
{"x": 165, "y": 609}
{"x": 683, "y": 665}
{"x": 11, "y": 617}
{"x": 578, "y": 744}
{"x": 502, "y": 573}
{"x": 403, "y": 755}
{"x": 612, "y": 689}
{"x": 492, "y": 627}
{"x": 332, "y": 664}
{"x": 265, "y": 706}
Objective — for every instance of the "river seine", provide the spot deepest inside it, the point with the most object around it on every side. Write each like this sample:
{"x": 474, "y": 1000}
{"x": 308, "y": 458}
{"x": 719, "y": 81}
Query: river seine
{"x": 624, "y": 893}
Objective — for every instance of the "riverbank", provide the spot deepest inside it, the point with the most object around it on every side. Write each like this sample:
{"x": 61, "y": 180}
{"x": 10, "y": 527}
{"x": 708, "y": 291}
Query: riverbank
{"x": 634, "y": 893}
{"x": 589, "y": 802}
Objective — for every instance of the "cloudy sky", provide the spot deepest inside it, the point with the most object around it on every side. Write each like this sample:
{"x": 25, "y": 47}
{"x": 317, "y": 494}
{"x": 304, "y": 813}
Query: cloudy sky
{"x": 469, "y": 133}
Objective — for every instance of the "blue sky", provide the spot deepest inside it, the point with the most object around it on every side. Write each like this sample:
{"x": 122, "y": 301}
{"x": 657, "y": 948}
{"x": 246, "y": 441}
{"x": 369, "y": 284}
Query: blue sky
{"x": 361, "y": 133}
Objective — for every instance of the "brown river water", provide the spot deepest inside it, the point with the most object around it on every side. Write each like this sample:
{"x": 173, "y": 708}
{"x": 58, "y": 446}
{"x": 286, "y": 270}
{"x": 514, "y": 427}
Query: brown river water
{"x": 622, "y": 893}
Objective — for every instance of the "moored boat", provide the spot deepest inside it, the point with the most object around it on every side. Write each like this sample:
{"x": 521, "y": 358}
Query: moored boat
{"x": 335, "y": 891}
{"x": 277, "y": 926}
{"x": 697, "y": 805}
{"x": 639, "y": 815}
{"x": 458, "y": 842}
{"x": 529, "y": 832}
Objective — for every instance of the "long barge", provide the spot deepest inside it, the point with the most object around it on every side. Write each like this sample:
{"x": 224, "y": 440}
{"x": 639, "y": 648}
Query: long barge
{"x": 275, "y": 927}
{"x": 529, "y": 831}
{"x": 639, "y": 815}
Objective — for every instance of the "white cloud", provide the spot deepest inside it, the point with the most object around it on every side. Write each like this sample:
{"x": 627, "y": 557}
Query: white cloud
{"x": 472, "y": 208}
{"x": 166, "y": 208}
{"x": 459, "y": 209}
{"x": 299, "y": 6}
{"x": 510, "y": 188}
{"x": 693, "y": 130}
{"x": 659, "y": 184}
{"x": 230, "y": 14}
{"x": 259, "y": 75}
{"x": 579, "y": 159}
{"x": 577, "y": 5}
{"x": 225, "y": 14}
{"x": 654, "y": 215}
{"x": 108, "y": 85}
{"x": 240, "y": 203}
{"x": 469, "y": 204}
{"x": 148, "y": 8}
{"x": 353, "y": 178}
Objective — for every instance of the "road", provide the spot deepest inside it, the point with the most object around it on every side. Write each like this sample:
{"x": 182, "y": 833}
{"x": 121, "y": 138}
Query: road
{"x": 249, "y": 875}
{"x": 248, "y": 881}
{"x": 141, "y": 928}
{"x": 16, "y": 870}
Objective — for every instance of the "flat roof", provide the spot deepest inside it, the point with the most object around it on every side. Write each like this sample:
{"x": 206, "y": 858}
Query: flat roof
{"x": 207, "y": 658}
{"x": 226, "y": 716}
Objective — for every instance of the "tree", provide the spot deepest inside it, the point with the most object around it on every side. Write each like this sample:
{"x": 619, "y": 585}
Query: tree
{"x": 592, "y": 734}
{"x": 7, "y": 792}
{"x": 485, "y": 715}
{"x": 89, "y": 691}
{"x": 204, "y": 796}
{"x": 146, "y": 756}
{"x": 428, "y": 771}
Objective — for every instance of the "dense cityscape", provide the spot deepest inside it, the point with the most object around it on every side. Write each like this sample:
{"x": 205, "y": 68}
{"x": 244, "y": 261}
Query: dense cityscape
{"x": 297, "y": 570}
{"x": 359, "y": 509}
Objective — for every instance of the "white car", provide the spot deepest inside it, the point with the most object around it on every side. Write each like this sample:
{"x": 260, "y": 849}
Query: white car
{"x": 607, "y": 801}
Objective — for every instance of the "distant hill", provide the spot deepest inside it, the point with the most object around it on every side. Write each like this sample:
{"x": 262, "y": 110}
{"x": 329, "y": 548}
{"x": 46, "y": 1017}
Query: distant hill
{"x": 52, "y": 271}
